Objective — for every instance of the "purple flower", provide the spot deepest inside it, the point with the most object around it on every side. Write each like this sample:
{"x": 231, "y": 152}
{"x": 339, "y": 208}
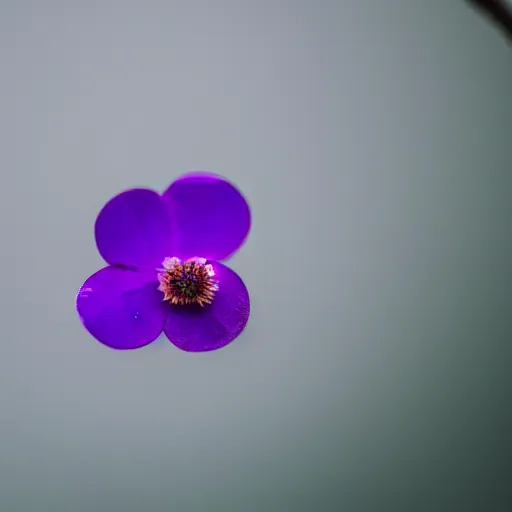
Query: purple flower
{"x": 164, "y": 272}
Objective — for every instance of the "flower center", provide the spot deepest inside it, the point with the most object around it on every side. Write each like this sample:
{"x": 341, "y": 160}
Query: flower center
{"x": 187, "y": 282}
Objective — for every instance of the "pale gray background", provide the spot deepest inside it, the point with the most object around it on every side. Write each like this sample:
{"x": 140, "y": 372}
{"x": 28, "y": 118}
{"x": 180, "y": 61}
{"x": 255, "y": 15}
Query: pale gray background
{"x": 373, "y": 139}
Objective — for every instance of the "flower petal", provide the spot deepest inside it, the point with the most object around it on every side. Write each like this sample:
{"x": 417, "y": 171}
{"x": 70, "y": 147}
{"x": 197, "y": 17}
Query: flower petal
{"x": 122, "y": 308}
{"x": 212, "y": 217}
{"x": 197, "y": 329}
{"x": 134, "y": 229}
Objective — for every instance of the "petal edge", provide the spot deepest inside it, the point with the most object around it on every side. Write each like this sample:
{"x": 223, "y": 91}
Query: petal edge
{"x": 121, "y": 308}
{"x": 211, "y": 216}
{"x": 196, "y": 329}
{"x": 134, "y": 229}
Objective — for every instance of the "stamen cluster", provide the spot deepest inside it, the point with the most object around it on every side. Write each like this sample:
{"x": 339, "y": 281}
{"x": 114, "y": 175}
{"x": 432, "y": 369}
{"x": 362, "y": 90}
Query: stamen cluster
{"x": 187, "y": 282}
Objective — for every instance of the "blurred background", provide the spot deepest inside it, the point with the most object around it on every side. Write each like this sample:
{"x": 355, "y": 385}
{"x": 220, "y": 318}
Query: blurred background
{"x": 373, "y": 142}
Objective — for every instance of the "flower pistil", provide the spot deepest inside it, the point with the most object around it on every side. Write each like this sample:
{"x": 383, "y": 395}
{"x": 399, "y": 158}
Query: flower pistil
{"x": 187, "y": 282}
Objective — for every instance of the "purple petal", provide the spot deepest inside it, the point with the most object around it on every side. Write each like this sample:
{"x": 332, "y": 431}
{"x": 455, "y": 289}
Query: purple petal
{"x": 134, "y": 229}
{"x": 122, "y": 308}
{"x": 197, "y": 329}
{"x": 212, "y": 217}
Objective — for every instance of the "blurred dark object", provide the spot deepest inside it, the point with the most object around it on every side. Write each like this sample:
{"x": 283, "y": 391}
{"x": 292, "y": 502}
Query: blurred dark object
{"x": 498, "y": 12}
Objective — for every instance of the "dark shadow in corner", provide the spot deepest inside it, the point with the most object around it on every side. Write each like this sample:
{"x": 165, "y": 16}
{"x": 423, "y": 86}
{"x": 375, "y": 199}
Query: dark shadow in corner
{"x": 498, "y": 12}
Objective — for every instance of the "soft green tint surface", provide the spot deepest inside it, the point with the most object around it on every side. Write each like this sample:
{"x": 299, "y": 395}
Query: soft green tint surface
{"x": 374, "y": 141}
